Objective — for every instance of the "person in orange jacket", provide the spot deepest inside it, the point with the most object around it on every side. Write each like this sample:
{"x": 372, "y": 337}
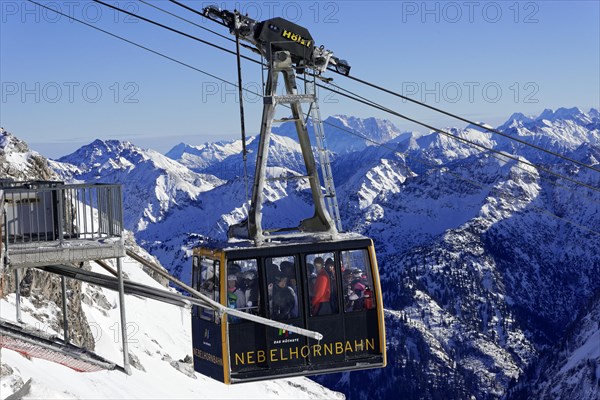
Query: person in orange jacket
{"x": 320, "y": 302}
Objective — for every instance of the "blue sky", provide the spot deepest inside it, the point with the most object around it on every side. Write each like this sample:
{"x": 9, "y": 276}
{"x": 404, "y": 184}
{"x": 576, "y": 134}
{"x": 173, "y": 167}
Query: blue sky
{"x": 65, "y": 84}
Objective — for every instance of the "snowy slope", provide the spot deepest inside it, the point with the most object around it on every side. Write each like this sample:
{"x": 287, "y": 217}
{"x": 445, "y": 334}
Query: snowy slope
{"x": 570, "y": 370}
{"x": 287, "y": 204}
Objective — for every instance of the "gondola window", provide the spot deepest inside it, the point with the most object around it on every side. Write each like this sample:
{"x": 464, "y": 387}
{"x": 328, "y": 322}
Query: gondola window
{"x": 246, "y": 289}
{"x": 282, "y": 287}
{"x": 208, "y": 284}
{"x": 322, "y": 283}
{"x": 357, "y": 281}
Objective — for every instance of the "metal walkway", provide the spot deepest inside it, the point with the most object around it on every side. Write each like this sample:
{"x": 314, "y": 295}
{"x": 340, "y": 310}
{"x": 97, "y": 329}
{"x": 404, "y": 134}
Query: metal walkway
{"x": 37, "y": 344}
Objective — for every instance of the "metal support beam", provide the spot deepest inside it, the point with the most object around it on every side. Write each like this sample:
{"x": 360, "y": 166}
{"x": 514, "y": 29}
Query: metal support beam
{"x": 330, "y": 195}
{"x": 18, "y": 294}
{"x": 197, "y": 298}
{"x": 63, "y": 283}
{"x": 320, "y": 222}
{"x": 221, "y": 308}
{"x": 5, "y": 258}
{"x": 123, "y": 319}
{"x": 60, "y": 216}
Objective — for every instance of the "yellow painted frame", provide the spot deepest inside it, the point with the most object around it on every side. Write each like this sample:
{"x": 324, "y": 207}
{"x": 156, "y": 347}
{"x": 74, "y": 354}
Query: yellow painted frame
{"x": 219, "y": 255}
{"x": 380, "y": 312}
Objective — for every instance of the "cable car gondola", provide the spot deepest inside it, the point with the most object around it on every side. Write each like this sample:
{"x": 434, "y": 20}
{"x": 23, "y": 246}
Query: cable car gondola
{"x": 258, "y": 280}
{"x": 307, "y": 299}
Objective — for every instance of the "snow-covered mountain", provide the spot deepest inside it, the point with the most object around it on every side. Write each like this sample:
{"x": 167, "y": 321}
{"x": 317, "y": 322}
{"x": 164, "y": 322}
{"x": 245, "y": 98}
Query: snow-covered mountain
{"x": 159, "y": 340}
{"x": 284, "y": 153}
{"x": 198, "y": 158}
{"x": 483, "y": 260}
{"x": 170, "y": 208}
{"x": 366, "y": 131}
{"x": 570, "y": 369}
{"x": 154, "y": 183}
{"x": 562, "y": 131}
{"x": 227, "y": 164}
{"x": 486, "y": 261}
{"x": 225, "y": 159}
{"x": 19, "y": 162}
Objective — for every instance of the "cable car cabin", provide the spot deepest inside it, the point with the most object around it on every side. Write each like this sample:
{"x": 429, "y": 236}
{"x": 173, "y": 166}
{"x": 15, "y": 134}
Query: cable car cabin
{"x": 329, "y": 287}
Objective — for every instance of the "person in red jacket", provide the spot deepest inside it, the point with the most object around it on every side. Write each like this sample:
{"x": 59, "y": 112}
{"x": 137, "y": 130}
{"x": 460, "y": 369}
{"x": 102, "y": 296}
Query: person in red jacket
{"x": 320, "y": 302}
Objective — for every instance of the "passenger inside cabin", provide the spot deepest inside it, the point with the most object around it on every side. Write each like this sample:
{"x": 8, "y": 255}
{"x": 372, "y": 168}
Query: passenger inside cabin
{"x": 330, "y": 268}
{"x": 358, "y": 295}
{"x": 250, "y": 288}
{"x": 350, "y": 296}
{"x": 312, "y": 277}
{"x": 235, "y": 296}
{"x": 320, "y": 303}
{"x": 283, "y": 299}
{"x": 287, "y": 269}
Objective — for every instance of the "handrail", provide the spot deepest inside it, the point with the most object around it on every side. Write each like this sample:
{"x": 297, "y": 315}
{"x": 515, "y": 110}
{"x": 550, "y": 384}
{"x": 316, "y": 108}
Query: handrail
{"x": 33, "y": 185}
{"x": 221, "y": 308}
{"x": 42, "y": 212}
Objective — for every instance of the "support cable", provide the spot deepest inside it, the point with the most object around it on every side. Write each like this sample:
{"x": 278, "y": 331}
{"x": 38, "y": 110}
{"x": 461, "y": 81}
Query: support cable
{"x": 370, "y": 103}
{"x": 439, "y": 110}
{"x": 477, "y": 124}
{"x": 134, "y": 15}
{"x": 261, "y": 95}
{"x": 241, "y": 102}
{"x": 186, "y": 20}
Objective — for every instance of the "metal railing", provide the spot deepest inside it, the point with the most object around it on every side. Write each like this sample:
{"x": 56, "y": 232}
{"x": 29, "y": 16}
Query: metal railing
{"x": 52, "y": 211}
{"x": 3, "y": 243}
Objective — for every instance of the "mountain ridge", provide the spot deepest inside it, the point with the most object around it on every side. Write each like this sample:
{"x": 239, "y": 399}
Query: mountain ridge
{"x": 482, "y": 259}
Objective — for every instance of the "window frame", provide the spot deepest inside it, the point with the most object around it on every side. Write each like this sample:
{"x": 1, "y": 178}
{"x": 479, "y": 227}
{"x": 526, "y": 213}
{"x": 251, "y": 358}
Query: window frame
{"x": 215, "y": 292}
{"x": 269, "y": 296}
{"x": 258, "y": 307}
{"x": 336, "y": 264}
{"x": 369, "y": 270}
